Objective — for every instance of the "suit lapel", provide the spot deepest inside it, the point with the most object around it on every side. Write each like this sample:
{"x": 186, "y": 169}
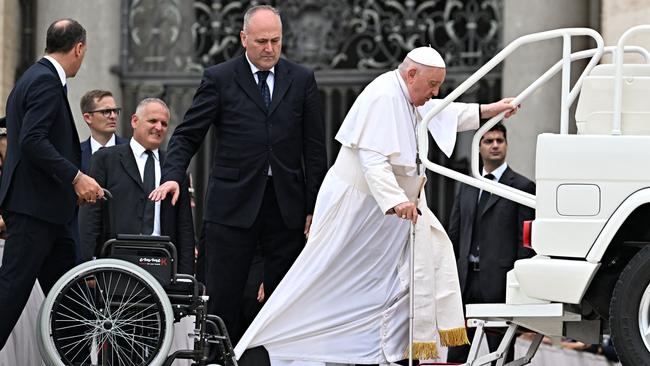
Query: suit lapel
{"x": 468, "y": 210}
{"x": 130, "y": 167}
{"x": 506, "y": 178}
{"x": 472, "y": 197}
{"x": 85, "y": 155}
{"x": 246, "y": 81}
{"x": 165, "y": 205}
{"x": 282, "y": 82}
{"x": 85, "y": 146}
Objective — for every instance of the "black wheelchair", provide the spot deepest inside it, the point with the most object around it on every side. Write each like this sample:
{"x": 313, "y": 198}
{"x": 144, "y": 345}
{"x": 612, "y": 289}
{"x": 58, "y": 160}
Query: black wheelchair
{"x": 120, "y": 310}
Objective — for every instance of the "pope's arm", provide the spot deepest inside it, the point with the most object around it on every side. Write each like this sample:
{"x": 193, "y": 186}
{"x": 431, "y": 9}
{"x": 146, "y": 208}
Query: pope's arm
{"x": 469, "y": 115}
{"x": 383, "y": 185}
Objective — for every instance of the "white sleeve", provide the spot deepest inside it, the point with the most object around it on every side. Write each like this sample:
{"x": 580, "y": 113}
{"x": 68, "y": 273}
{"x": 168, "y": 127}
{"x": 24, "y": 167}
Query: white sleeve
{"x": 381, "y": 180}
{"x": 468, "y": 116}
{"x": 447, "y": 123}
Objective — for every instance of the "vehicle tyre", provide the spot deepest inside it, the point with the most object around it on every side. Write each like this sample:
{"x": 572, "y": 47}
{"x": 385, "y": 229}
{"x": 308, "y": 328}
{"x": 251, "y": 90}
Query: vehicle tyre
{"x": 629, "y": 314}
{"x": 107, "y": 312}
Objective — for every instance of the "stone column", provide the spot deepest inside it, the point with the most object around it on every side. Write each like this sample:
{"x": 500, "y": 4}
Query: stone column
{"x": 620, "y": 15}
{"x": 541, "y": 113}
{"x": 9, "y": 47}
{"x": 101, "y": 19}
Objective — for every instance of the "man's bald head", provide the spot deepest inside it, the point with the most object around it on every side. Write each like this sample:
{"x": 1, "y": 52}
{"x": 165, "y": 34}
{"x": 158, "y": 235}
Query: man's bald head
{"x": 63, "y": 35}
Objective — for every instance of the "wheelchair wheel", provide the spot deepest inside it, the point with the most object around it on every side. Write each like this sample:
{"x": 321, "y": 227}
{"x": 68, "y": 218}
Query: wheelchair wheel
{"x": 105, "y": 312}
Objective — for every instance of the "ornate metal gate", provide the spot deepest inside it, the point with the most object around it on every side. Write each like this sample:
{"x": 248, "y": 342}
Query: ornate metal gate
{"x": 167, "y": 43}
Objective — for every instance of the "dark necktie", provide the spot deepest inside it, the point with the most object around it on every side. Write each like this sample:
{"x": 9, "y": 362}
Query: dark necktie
{"x": 485, "y": 196}
{"x": 264, "y": 88}
{"x": 65, "y": 89}
{"x": 149, "y": 183}
{"x": 482, "y": 201}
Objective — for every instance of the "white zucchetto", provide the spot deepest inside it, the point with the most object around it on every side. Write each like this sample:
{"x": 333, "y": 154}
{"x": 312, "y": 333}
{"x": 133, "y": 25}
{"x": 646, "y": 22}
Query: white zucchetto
{"x": 426, "y": 56}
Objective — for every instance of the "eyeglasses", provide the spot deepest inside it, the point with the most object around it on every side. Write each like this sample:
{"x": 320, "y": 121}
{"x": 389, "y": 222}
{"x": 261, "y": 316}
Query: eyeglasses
{"x": 107, "y": 112}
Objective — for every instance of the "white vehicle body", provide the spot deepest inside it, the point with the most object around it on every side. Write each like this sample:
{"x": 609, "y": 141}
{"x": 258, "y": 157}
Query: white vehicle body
{"x": 591, "y": 231}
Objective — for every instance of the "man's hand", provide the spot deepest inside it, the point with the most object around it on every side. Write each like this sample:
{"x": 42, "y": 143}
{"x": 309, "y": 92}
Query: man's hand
{"x": 407, "y": 211}
{"x": 87, "y": 189}
{"x": 308, "y": 224}
{"x": 260, "y": 293}
{"x": 504, "y": 105}
{"x": 161, "y": 192}
{"x": 3, "y": 228}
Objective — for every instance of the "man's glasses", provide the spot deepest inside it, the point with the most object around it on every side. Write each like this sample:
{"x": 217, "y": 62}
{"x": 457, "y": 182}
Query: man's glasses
{"x": 107, "y": 112}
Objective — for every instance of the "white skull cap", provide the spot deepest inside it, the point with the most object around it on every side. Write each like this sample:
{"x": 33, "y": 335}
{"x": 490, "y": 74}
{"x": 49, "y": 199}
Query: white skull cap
{"x": 426, "y": 56}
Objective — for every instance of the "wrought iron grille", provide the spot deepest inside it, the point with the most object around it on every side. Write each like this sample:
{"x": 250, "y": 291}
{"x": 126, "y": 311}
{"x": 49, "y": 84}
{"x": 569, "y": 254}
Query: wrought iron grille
{"x": 166, "y": 44}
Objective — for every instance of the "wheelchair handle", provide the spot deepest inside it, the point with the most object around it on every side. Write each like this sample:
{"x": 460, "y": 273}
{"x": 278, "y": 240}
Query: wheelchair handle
{"x": 107, "y": 194}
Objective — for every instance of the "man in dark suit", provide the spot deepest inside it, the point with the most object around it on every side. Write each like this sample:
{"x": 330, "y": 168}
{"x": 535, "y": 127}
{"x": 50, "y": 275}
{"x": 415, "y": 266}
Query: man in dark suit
{"x": 41, "y": 180}
{"x": 267, "y": 166}
{"x": 100, "y": 112}
{"x": 122, "y": 170}
{"x": 486, "y": 231}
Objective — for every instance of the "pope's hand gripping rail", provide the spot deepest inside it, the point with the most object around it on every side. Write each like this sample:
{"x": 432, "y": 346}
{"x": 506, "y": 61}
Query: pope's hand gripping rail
{"x": 568, "y": 96}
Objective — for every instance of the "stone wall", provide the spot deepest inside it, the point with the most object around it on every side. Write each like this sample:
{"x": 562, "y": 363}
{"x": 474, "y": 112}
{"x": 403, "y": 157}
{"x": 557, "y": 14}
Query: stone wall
{"x": 101, "y": 19}
{"x": 9, "y": 47}
{"x": 541, "y": 113}
{"x": 620, "y": 15}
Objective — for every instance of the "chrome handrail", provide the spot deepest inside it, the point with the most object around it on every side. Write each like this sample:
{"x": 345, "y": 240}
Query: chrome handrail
{"x": 618, "y": 79}
{"x": 568, "y": 96}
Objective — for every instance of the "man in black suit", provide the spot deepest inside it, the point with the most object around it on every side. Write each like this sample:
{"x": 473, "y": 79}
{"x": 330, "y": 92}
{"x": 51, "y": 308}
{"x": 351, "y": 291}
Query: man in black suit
{"x": 486, "y": 231}
{"x": 122, "y": 170}
{"x": 267, "y": 166}
{"x": 41, "y": 180}
{"x": 100, "y": 112}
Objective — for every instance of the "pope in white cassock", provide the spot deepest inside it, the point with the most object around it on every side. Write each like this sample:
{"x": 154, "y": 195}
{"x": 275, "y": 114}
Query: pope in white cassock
{"x": 345, "y": 299}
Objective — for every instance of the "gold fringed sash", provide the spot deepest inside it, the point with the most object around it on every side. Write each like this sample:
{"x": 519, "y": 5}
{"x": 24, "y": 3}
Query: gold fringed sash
{"x": 423, "y": 351}
{"x": 453, "y": 337}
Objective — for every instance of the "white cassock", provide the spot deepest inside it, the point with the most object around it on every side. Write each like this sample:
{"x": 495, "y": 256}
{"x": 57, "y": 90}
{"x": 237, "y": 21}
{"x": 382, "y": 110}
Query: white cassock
{"x": 345, "y": 299}
{"x": 21, "y": 348}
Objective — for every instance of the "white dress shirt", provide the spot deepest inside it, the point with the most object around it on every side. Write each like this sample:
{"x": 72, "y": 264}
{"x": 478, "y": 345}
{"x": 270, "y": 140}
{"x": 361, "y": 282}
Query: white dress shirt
{"x": 498, "y": 172}
{"x": 95, "y": 145}
{"x": 141, "y": 159}
{"x": 270, "y": 82}
{"x": 59, "y": 69}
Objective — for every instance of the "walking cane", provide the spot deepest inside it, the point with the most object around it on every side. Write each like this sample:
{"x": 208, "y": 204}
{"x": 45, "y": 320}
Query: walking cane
{"x": 411, "y": 292}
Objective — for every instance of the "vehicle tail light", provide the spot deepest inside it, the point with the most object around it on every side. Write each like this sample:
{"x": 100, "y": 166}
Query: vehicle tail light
{"x": 528, "y": 229}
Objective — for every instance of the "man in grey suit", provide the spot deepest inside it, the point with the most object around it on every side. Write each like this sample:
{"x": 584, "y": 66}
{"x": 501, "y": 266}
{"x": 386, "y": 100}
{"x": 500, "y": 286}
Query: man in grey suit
{"x": 486, "y": 231}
